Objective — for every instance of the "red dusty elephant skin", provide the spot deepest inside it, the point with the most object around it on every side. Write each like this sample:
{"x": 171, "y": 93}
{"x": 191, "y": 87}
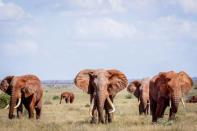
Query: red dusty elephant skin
{"x": 68, "y": 96}
{"x": 102, "y": 85}
{"x": 25, "y": 90}
{"x": 168, "y": 89}
{"x": 140, "y": 88}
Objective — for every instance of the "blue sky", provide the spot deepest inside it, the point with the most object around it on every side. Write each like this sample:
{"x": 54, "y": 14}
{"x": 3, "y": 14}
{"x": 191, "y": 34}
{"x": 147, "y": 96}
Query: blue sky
{"x": 56, "y": 39}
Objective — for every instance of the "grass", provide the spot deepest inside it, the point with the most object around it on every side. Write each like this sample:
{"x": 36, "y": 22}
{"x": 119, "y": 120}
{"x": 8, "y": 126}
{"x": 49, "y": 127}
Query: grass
{"x": 56, "y": 97}
{"x": 129, "y": 96}
{"x": 75, "y": 117}
{"x": 4, "y": 100}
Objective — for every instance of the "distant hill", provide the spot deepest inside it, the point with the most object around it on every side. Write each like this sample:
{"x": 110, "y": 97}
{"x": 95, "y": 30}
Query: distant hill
{"x": 57, "y": 82}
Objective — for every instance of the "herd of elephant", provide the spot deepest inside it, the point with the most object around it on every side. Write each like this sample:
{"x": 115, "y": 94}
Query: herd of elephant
{"x": 164, "y": 89}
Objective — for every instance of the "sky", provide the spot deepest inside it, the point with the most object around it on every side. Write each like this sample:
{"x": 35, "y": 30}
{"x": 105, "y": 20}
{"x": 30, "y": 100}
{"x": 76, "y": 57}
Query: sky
{"x": 55, "y": 39}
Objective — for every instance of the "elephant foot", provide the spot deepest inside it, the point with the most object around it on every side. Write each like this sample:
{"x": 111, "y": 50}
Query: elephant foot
{"x": 11, "y": 116}
{"x": 94, "y": 121}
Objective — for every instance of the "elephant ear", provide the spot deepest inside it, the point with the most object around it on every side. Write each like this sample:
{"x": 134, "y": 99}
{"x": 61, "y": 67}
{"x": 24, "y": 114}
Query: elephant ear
{"x": 117, "y": 82}
{"x": 28, "y": 91}
{"x": 83, "y": 81}
{"x": 182, "y": 80}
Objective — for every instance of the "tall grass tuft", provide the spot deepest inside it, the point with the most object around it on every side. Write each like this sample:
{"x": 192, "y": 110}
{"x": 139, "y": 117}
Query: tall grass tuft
{"x": 130, "y": 96}
{"x": 56, "y": 97}
{"x": 4, "y": 100}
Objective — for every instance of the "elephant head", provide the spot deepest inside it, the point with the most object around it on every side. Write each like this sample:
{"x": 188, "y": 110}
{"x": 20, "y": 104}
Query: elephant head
{"x": 134, "y": 88}
{"x": 101, "y": 83}
{"x": 5, "y": 85}
{"x": 174, "y": 86}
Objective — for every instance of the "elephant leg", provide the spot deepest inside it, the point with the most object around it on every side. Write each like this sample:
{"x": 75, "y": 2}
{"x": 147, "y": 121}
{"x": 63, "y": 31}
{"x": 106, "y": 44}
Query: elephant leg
{"x": 147, "y": 107}
{"x": 60, "y": 100}
{"x": 140, "y": 108}
{"x": 38, "y": 113}
{"x": 38, "y": 109}
{"x": 68, "y": 99}
{"x": 166, "y": 103}
{"x": 160, "y": 108}
{"x": 172, "y": 113}
{"x": 153, "y": 106}
{"x": 71, "y": 100}
{"x": 20, "y": 111}
{"x": 109, "y": 116}
{"x": 32, "y": 107}
{"x": 94, "y": 115}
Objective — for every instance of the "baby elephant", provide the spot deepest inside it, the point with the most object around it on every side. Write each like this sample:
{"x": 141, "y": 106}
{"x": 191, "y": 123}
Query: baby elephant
{"x": 140, "y": 89}
{"x": 192, "y": 99}
{"x": 68, "y": 96}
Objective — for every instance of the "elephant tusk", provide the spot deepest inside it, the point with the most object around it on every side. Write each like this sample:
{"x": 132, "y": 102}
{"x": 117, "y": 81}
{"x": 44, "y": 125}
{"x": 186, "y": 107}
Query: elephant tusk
{"x": 19, "y": 102}
{"x": 91, "y": 107}
{"x": 170, "y": 104}
{"x": 7, "y": 106}
{"x": 138, "y": 102}
{"x": 182, "y": 101}
{"x": 111, "y": 104}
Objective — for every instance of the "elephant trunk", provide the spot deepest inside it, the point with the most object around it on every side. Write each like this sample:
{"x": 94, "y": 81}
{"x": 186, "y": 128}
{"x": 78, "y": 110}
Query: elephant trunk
{"x": 60, "y": 99}
{"x": 175, "y": 103}
{"x": 101, "y": 97}
{"x": 12, "y": 104}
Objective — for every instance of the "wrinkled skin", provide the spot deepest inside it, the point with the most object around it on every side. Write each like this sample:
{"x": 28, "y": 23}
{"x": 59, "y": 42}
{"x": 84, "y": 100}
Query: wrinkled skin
{"x": 102, "y": 85}
{"x": 68, "y": 96}
{"x": 27, "y": 88}
{"x": 165, "y": 88}
{"x": 192, "y": 99}
{"x": 140, "y": 89}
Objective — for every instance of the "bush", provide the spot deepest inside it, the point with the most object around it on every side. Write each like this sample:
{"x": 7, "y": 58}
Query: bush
{"x": 4, "y": 100}
{"x": 129, "y": 96}
{"x": 47, "y": 102}
{"x": 87, "y": 105}
{"x": 56, "y": 97}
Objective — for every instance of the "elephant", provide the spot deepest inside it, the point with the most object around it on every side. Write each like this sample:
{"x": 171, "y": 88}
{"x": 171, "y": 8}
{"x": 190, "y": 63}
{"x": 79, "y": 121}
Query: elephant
{"x": 192, "y": 99}
{"x": 68, "y": 96}
{"x": 140, "y": 89}
{"x": 102, "y": 85}
{"x": 26, "y": 90}
{"x": 168, "y": 89}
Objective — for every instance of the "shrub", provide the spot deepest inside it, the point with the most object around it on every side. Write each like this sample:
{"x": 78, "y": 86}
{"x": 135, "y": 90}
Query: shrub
{"x": 56, "y": 97}
{"x": 47, "y": 102}
{"x": 129, "y": 96}
{"x": 87, "y": 105}
{"x": 4, "y": 100}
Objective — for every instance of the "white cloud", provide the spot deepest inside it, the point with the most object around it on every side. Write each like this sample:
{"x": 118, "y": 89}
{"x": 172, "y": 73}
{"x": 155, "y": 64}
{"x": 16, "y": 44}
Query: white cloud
{"x": 172, "y": 28}
{"x": 189, "y": 6}
{"x": 98, "y": 45}
{"x": 93, "y": 7}
{"x": 21, "y": 48}
{"x": 10, "y": 11}
{"x": 103, "y": 28}
{"x": 29, "y": 30}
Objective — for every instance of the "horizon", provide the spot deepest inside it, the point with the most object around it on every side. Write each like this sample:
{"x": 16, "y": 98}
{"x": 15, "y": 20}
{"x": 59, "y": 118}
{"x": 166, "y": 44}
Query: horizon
{"x": 54, "y": 40}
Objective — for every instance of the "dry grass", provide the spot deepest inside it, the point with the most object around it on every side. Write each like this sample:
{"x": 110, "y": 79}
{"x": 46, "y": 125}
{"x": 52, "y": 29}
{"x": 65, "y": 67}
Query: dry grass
{"x": 75, "y": 116}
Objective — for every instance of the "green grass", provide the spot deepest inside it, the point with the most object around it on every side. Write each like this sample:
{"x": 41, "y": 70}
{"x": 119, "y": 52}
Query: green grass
{"x": 75, "y": 117}
{"x": 130, "y": 96}
{"x": 56, "y": 97}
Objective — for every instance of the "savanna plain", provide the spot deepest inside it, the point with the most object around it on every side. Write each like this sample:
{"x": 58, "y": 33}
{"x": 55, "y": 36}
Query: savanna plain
{"x": 75, "y": 117}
